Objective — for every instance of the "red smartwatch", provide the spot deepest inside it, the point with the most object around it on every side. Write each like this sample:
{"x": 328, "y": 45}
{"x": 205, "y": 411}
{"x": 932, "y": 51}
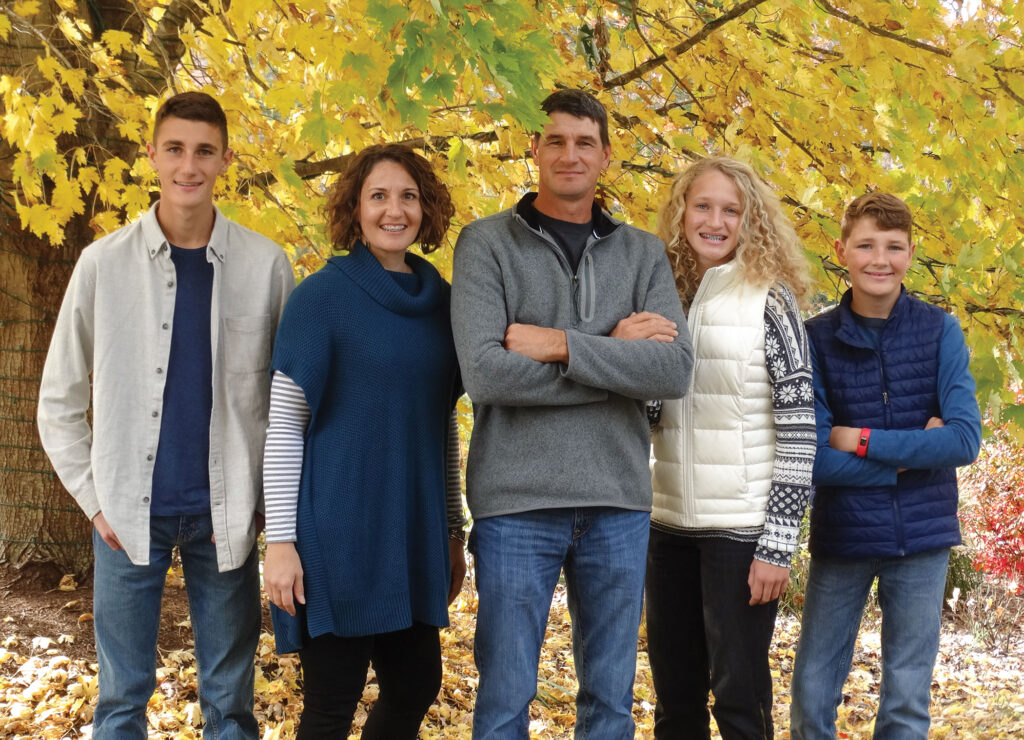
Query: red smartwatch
{"x": 862, "y": 442}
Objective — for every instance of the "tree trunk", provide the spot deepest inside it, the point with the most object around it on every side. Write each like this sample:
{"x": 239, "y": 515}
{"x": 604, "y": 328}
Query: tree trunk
{"x": 39, "y": 521}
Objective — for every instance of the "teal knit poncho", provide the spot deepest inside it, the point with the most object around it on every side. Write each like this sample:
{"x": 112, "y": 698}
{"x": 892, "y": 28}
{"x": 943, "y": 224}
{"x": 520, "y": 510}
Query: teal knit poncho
{"x": 377, "y": 366}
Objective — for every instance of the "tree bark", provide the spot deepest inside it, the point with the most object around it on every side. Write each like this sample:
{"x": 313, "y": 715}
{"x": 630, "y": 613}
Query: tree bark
{"x": 39, "y": 521}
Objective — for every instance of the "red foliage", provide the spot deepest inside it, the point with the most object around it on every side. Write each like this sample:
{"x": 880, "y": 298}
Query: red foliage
{"x": 993, "y": 510}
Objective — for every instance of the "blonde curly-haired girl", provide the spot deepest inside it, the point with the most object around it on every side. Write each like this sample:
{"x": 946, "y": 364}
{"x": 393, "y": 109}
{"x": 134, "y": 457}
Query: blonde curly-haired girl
{"x": 733, "y": 458}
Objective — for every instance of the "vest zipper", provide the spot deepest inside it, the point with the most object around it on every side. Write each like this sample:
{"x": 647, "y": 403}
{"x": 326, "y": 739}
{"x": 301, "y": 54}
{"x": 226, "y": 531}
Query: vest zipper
{"x": 693, "y": 313}
{"x": 897, "y": 514}
{"x": 886, "y": 410}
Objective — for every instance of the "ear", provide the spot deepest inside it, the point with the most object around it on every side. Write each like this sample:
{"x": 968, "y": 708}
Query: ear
{"x": 533, "y": 146}
{"x": 840, "y": 252}
{"x": 228, "y": 156}
{"x": 151, "y": 151}
{"x": 606, "y": 160}
{"x": 912, "y": 248}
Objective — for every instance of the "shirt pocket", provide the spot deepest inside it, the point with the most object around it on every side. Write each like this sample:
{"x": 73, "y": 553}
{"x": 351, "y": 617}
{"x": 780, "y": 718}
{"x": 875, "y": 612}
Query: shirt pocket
{"x": 247, "y": 343}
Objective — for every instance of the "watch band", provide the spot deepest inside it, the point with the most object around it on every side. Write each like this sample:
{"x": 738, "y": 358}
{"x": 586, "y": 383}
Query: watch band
{"x": 862, "y": 442}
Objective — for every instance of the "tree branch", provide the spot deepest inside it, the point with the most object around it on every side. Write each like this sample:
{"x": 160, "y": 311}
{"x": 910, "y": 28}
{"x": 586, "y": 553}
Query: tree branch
{"x": 881, "y": 30}
{"x": 1006, "y": 88}
{"x": 803, "y": 147}
{"x": 683, "y": 46}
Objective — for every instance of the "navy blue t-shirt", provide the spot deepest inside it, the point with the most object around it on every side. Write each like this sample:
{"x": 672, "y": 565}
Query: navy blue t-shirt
{"x": 181, "y": 475}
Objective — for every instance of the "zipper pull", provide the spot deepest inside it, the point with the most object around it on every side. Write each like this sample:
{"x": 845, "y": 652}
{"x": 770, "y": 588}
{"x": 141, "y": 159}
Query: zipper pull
{"x": 885, "y": 397}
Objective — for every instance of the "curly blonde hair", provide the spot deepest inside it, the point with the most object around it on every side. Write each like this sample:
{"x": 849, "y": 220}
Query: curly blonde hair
{"x": 768, "y": 249}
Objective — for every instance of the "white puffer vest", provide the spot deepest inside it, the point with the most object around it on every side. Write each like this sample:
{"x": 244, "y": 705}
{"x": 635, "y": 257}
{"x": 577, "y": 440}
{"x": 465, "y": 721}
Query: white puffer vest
{"x": 714, "y": 451}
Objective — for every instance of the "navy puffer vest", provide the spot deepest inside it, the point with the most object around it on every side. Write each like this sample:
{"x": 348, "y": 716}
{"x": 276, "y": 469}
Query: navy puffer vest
{"x": 894, "y": 387}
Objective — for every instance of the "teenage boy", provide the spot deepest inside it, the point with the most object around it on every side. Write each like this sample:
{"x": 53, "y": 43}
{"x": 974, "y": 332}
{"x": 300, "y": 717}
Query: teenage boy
{"x": 172, "y": 317}
{"x": 896, "y": 414}
{"x": 554, "y": 308}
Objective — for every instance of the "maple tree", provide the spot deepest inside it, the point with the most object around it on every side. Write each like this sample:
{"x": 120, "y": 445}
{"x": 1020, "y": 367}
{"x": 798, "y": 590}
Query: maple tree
{"x": 827, "y": 98}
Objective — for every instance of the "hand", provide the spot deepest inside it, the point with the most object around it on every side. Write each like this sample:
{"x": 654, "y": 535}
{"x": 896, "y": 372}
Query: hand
{"x": 282, "y": 576}
{"x": 645, "y": 325}
{"x": 106, "y": 532}
{"x": 767, "y": 582}
{"x": 457, "y": 553}
{"x": 844, "y": 439}
{"x": 537, "y": 342}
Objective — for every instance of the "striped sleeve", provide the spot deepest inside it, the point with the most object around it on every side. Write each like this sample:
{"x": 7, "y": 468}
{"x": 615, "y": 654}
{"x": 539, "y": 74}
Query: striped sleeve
{"x": 788, "y": 355}
{"x": 282, "y": 456}
{"x": 453, "y": 474}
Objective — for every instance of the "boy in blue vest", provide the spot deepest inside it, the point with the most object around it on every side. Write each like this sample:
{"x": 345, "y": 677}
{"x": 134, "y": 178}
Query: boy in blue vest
{"x": 896, "y": 414}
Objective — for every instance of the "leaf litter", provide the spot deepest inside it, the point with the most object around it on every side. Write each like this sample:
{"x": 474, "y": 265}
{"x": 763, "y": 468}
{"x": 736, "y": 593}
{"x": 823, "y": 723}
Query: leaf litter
{"x": 977, "y": 691}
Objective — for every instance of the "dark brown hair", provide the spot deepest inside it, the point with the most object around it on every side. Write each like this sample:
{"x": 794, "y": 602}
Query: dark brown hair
{"x": 193, "y": 106}
{"x": 342, "y": 208}
{"x": 580, "y": 104}
{"x": 889, "y": 212}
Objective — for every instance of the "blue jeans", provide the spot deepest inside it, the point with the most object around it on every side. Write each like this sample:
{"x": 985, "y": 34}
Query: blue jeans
{"x": 225, "y": 610}
{"x": 518, "y": 559}
{"x": 910, "y": 592}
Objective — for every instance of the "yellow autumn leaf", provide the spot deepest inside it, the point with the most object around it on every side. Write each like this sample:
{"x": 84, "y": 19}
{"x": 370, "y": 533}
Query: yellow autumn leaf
{"x": 26, "y": 8}
{"x": 49, "y": 67}
{"x": 118, "y": 41}
{"x": 74, "y": 79}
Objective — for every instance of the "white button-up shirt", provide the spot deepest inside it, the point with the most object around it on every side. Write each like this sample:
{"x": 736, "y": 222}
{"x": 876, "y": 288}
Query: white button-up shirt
{"x": 115, "y": 325}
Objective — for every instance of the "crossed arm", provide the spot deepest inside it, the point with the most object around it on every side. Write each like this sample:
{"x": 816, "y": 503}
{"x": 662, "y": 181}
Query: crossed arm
{"x": 508, "y": 363}
{"x": 551, "y": 345}
{"x": 949, "y": 440}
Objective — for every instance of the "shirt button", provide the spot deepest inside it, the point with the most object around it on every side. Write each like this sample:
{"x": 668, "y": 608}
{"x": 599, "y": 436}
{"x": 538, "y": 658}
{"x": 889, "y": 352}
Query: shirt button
{"x": 145, "y": 499}
{"x": 167, "y": 326}
{"x": 156, "y": 414}
{"x": 149, "y": 457}
{"x": 170, "y": 283}
{"x": 159, "y": 370}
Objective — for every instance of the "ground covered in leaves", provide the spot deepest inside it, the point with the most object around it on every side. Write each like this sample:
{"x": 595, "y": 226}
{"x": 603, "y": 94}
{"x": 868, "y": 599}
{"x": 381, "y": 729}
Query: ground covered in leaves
{"x": 48, "y": 674}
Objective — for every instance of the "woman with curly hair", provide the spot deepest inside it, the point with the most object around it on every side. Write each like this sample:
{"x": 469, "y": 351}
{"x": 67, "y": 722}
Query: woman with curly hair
{"x": 733, "y": 458}
{"x": 363, "y": 554}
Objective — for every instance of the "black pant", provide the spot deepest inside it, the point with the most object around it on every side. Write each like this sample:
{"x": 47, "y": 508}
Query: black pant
{"x": 702, "y": 635}
{"x": 408, "y": 668}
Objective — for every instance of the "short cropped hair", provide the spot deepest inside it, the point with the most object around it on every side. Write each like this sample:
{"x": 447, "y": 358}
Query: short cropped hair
{"x": 580, "y": 104}
{"x": 342, "y": 210}
{"x": 888, "y": 211}
{"x": 193, "y": 106}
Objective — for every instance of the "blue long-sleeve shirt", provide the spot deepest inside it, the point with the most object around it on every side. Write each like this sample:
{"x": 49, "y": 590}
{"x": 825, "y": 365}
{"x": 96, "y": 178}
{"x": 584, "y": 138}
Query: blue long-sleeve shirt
{"x": 952, "y": 445}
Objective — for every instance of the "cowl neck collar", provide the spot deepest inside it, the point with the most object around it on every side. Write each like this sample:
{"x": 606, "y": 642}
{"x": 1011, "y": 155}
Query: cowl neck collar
{"x": 369, "y": 274}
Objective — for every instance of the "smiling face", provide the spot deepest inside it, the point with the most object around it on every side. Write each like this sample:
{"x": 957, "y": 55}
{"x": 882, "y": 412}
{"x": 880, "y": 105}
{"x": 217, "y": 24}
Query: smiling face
{"x": 390, "y": 213}
{"x": 570, "y": 158}
{"x": 188, "y": 156}
{"x": 712, "y": 219}
{"x": 877, "y": 260}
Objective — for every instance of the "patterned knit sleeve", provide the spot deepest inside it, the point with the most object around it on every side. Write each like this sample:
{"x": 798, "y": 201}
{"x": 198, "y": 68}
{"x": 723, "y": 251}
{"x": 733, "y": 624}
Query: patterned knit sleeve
{"x": 453, "y": 477}
{"x": 282, "y": 456}
{"x": 789, "y": 367}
